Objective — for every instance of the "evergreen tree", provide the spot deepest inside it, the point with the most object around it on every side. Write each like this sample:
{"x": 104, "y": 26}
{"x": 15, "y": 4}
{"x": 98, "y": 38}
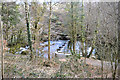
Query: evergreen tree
{"x": 11, "y": 16}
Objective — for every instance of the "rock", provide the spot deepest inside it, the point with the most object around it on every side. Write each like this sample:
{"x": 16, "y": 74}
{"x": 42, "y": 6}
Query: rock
{"x": 62, "y": 60}
{"x": 54, "y": 19}
{"x": 47, "y": 64}
{"x": 59, "y": 23}
{"x": 93, "y": 57}
{"x": 45, "y": 37}
{"x": 68, "y": 37}
{"x": 63, "y": 45}
{"x": 25, "y": 52}
{"x": 58, "y": 37}
{"x": 45, "y": 45}
{"x": 63, "y": 36}
{"x": 53, "y": 44}
{"x": 58, "y": 49}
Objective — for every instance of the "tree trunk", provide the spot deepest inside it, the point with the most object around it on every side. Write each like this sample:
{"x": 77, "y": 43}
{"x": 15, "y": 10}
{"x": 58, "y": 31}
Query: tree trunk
{"x": 2, "y": 57}
{"x": 28, "y": 30}
{"x": 73, "y": 28}
{"x": 90, "y": 52}
{"x": 114, "y": 74}
{"x": 119, "y": 40}
{"x": 82, "y": 49}
{"x": 75, "y": 37}
{"x": 102, "y": 68}
{"x": 49, "y": 32}
{"x": 83, "y": 32}
{"x": 35, "y": 25}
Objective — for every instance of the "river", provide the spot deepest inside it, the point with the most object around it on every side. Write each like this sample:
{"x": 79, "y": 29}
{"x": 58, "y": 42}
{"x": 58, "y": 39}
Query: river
{"x": 60, "y": 48}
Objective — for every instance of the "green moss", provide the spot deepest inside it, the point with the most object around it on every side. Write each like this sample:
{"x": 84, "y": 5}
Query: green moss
{"x": 59, "y": 23}
{"x": 15, "y": 48}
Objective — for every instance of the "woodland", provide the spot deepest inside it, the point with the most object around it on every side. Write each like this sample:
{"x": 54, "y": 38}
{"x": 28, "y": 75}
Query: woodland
{"x": 59, "y": 39}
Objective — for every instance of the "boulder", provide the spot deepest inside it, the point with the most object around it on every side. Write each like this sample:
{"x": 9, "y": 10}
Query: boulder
{"x": 58, "y": 23}
{"x": 62, "y": 60}
{"x": 25, "y": 52}
{"x": 64, "y": 38}
{"x": 47, "y": 64}
{"x": 58, "y": 37}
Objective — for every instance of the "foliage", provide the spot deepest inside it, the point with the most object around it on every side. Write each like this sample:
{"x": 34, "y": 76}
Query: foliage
{"x": 11, "y": 14}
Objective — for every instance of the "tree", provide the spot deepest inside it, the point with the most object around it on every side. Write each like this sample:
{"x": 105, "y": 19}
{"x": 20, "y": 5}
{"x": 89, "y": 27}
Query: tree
{"x": 83, "y": 28}
{"x": 118, "y": 41}
{"x": 49, "y": 31}
{"x": 2, "y": 57}
{"x": 28, "y": 29}
{"x": 37, "y": 11}
{"x": 37, "y": 14}
{"x": 72, "y": 23}
{"x": 11, "y": 18}
{"x": 95, "y": 33}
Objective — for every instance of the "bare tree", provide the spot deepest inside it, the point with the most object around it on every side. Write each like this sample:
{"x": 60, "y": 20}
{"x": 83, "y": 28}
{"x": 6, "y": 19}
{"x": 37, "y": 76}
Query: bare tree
{"x": 119, "y": 40}
{"x": 49, "y": 31}
{"x": 2, "y": 57}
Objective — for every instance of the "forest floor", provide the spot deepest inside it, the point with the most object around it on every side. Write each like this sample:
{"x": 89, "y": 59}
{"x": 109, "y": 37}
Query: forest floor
{"x": 19, "y": 66}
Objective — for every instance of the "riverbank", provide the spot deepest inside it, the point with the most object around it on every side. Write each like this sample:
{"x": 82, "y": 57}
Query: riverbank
{"x": 19, "y": 66}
